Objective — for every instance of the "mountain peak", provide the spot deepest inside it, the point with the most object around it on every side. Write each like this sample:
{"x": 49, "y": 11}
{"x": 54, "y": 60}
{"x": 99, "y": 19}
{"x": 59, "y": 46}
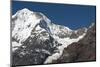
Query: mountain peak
{"x": 25, "y": 21}
{"x": 25, "y": 10}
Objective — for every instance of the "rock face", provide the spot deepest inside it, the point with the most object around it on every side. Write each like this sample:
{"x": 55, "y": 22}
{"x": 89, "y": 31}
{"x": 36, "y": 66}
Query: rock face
{"x": 84, "y": 50}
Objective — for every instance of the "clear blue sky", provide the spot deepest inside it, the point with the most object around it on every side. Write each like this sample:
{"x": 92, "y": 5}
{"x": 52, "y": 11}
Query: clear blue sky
{"x": 72, "y": 16}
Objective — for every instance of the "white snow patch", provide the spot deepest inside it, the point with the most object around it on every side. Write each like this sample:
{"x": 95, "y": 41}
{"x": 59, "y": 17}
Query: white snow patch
{"x": 43, "y": 50}
{"x": 46, "y": 51}
{"x": 15, "y": 45}
{"x": 58, "y": 29}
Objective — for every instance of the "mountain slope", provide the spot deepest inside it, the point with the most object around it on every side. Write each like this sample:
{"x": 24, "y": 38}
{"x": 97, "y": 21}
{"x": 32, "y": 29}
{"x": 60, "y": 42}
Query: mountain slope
{"x": 83, "y": 50}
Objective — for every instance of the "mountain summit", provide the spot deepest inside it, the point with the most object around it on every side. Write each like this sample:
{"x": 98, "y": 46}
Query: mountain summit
{"x": 36, "y": 40}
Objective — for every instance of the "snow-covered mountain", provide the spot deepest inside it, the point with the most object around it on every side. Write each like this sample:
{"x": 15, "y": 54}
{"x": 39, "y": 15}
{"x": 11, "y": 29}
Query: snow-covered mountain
{"x": 35, "y": 36}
